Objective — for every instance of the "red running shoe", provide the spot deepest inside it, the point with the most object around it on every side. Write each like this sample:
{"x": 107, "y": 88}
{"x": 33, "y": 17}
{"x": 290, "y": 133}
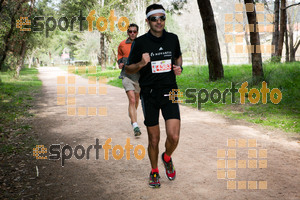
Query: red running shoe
{"x": 170, "y": 169}
{"x": 154, "y": 180}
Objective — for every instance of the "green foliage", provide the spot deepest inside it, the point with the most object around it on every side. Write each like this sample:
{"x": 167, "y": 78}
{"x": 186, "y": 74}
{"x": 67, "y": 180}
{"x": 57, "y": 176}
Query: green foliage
{"x": 285, "y": 77}
{"x": 15, "y": 39}
{"x": 15, "y": 93}
{"x": 87, "y": 47}
{"x": 177, "y": 5}
{"x": 82, "y": 45}
{"x": 116, "y": 82}
{"x": 274, "y": 59}
{"x": 71, "y": 8}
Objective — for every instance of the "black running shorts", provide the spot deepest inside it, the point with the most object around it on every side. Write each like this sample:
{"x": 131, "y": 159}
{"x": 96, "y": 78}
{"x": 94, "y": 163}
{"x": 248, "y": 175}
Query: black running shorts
{"x": 155, "y": 99}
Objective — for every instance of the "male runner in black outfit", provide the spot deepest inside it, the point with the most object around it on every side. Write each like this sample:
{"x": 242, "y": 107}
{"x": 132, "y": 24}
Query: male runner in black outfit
{"x": 157, "y": 56}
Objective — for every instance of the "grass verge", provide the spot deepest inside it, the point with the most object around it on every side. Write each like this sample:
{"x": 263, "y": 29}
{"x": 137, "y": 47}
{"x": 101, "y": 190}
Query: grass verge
{"x": 16, "y": 98}
{"x": 285, "y": 77}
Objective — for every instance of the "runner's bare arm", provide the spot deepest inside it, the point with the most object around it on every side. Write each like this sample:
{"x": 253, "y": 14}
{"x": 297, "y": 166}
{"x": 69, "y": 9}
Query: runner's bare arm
{"x": 134, "y": 68}
{"x": 177, "y": 67}
{"x": 121, "y": 65}
{"x": 120, "y": 56}
{"x": 178, "y": 61}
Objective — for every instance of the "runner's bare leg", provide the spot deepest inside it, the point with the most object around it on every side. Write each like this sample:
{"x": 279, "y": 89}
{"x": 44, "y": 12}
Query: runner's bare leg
{"x": 137, "y": 98}
{"x": 153, "y": 139}
{"x": 132, "y": 106}
{"x": 173, "y": 131}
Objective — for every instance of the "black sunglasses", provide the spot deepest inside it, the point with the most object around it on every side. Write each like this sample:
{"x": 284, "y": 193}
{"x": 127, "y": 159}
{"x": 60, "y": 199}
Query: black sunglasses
{"x": 155, "y": 18}
{"x": 132, "y": 31}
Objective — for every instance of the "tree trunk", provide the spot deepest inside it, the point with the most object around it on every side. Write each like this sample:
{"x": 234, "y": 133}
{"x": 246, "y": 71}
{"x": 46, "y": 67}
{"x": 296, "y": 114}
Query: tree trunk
{"x": 257, "y": 70}
{"x": 296, "y": 47}
{"x": 214, "y": 60}
{"x": 20, "y": 62}
{"x": 204, "y": 55}
{"x": 248, "y": 44}
{"x": 1, "y": 6}
{"x": 106, "y": 44}
{"x": 291, "y": 37}
{"x": 9, "y": 34}
{"x": 247, "y": 37}
{"x": 227, "y": 53}
{"x": 102, "y": 51}
{"x": 6, "y": 42}
{"x": 199, "y": 52}
{"x": 282, "y": 28}
{"x": 292, "y": 50}
{"x": 38, "y": 62}
{"x": 101, "y": 59}
{"x": 275, "y": 37}
{"x": 30, "y": 58}
{"x": 23, "y": 54}
{"x": 287, "y": 51}
{"x": 29, "y": 61}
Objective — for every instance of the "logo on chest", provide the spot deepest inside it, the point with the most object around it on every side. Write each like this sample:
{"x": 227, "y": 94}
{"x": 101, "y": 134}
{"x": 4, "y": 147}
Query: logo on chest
{"x": 161, "y": 53}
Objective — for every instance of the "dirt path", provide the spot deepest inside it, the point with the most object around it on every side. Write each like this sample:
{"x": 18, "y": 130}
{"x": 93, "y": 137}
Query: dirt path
{"x": 202, "y": 135}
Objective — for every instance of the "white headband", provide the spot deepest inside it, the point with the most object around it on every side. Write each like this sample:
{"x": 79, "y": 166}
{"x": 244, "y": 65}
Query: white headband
{"x": 152, "y": 12}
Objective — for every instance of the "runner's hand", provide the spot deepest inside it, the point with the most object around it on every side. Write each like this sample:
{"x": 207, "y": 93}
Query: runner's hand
{"x": 121, "y": 65}
{"x": 145, "y": 59}
{"x": 177, "y": 70}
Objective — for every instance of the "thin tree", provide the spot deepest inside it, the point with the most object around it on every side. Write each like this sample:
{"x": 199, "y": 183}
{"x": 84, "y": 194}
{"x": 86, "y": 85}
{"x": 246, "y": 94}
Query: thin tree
{"x": 275, "y": 37}
{"x": 24, "y": 43}
{"x": 214, "y": 60}
{"x": 287, "y": 50}
{"x": 282, "y": 28}
{"x": 246, "y": 37}
{"x": 292, "y": 48}
{"x": 257, "y": 69}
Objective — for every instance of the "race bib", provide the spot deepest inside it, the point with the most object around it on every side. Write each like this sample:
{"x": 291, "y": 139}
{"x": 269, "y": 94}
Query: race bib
{"x": 161, "y": 66}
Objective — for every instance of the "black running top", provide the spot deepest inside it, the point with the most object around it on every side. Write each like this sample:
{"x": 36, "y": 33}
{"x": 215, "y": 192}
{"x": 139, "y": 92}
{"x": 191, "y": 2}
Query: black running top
{"x": 163, "y": 51}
